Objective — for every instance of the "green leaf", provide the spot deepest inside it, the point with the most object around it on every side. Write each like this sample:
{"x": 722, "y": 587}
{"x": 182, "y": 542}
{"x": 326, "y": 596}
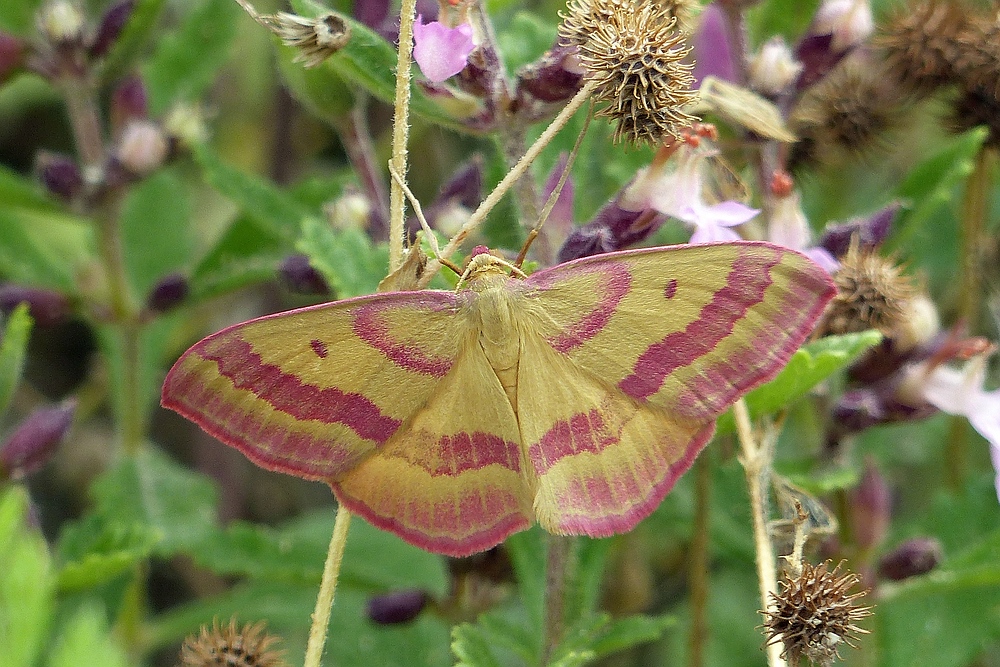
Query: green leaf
{"x": 86, "y": 641}
{"x": 624, "y": 633}
{"x": 156, "y": 231}
{"x": 321, "y": 89}
{"x": 13, "y": 347}
{"x": 275, "y": 210}
{"x": 186, "y": 61}
{"x": 810, "y": 365}
{"x": 472, "y": 647}
{"x": 163, "y": 496}
{"x": 39, "y": 244}
{"x": 95, "y": 551}
{"x": 247, "y": 253}
{"x": 18, "y": 16}
{"x": 585, "y": 581}
{"x": 528, "y": 552}
{"x": 348, "y": 260}
{"x": 26, "y": 582}
{"x": 525, "y": 38}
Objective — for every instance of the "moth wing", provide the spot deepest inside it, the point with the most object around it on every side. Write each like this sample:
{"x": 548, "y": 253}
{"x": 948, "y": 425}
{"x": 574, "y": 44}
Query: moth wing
{"x": 630, "y": 358}
{"x": 451, "y": 481}
{"x": 602, "y": 461}
{"x": 314, "y": 391}
{"x": 685, "y": 328}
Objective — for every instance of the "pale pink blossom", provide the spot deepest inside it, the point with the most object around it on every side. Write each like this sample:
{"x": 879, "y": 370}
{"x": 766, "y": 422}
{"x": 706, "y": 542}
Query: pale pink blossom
{"x": 789, "y": 227}
{"x": 440, "y": 51}
{"x": 960, "y": 392}
{"x": 680, "y": 194}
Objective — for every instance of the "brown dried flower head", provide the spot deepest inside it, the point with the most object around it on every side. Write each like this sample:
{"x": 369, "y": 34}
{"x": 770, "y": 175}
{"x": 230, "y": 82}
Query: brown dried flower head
{"x": 920, "y": 43}
{"x": 976, "y": 107}
{"x": 848, "y": 112}
{"x": 872, "y": 293}
{"x": 978, "y": 59}
{"x": 228, "y": 647}
{"x": 635, "y": 57}
{"x": 316, "y": 39}
{"x": 814, "y": 614}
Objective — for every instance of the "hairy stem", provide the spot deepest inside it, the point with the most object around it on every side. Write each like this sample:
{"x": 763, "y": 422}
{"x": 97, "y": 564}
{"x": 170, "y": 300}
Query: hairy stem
{"x": 698, "y": 562}
{"x": 756, "y": 462}
{"x": 327, "y": 589}
{"x": 354, "y": 133}
{"x": 400, "y": 134}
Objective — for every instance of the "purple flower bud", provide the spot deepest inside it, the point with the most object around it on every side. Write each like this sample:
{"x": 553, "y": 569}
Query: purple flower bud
{"x": 612, "y": 229}
{"x": 46, "y": 307}
{"x": 142, "y": 148}
{"x": 59, "y": 174}
{"x": 549, "y": 79}
{"x": 300, "y": 276}
{"x": 110, "y": 28}
{"x": 465, "y": 186}
{"x": 911, "y": 558}
{"x": 11, "y": 56}
{"x": 167, "y": 293}
{"x": 560, "y": 222}
{"x": 397, "y": 607}
{"x": 871, "y": 508}
{"x": 817, "y": 57}
{"x": 35, "y": 440}
{"x": 712, "y": 54}
{"x": 858, "y": 410}
{"x": 871, "y": 231}
{"x": 129, "y": 101}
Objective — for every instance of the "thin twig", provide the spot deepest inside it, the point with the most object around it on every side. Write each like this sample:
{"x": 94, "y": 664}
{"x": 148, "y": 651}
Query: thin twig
{"x": 327, "y": 589}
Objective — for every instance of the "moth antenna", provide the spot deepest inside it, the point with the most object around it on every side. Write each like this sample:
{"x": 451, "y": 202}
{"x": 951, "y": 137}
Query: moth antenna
{"x": 419, "y": 212}
{"x": 550, "y": 203}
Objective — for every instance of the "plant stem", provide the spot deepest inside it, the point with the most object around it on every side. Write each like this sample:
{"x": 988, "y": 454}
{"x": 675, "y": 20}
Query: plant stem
{"x": 555, "y": 592}
{"x": 354, "y": 133}
{"x": 698, "y": 562}
{"x": 757, "y": 465}
{"x": 503, "y": 186}
{"x": 327, "y": 589}
{"x": 400, "y": 133}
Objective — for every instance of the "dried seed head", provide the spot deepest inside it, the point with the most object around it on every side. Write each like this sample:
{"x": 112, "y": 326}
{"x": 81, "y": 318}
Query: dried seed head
{"x": 872, "y": 293}
{"x": 583, "y": 17}
{"x": 636, "y": 59}
{"x": 920, "y": 44}
{"x": 976, "y": 107}
{"x": 814, "y": 614}
{"x": 977, "y": 61}
{"x": 848, "y": 111}
{"x": 316, "y": 39}
{"x": 226, "y": 647}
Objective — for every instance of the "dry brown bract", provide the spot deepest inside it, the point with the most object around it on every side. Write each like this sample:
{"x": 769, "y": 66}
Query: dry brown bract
{"x": 229, "y": 647}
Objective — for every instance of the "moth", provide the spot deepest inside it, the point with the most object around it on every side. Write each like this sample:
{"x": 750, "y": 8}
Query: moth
{"x": 574, "y": 397}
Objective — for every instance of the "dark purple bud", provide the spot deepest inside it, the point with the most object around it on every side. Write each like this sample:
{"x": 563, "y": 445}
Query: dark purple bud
{"x": 549, "y": 79}
{"x": 612, "y": 229}
{"x": 397, "y": 607}
{"x": 712, "y": 53}
{"x": 871, "y": 231}
{"x": 11, "y": 56}
{"x": 818, "y": 57}
{"x": 911, "y": 558}
{"x": 871, "y": 508}
{"x": 300, "y": 276}
{"x": 129, "y": 101}
{"x": 46, "y": 307}
{"x": 35, "y": 440}
{"x": 560, "y": 220}
{"x": 59, "y": 174}
{"x": 858, "y": 410}
{"x": 168, "y": 293}
{"x": 465, "y": 185}
{"x": 110, "y": 28}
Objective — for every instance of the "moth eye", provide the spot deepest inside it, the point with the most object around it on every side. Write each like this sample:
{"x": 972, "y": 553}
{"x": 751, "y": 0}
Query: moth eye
{"x": 670, "y": 289}
{"x": 319, "y": 347}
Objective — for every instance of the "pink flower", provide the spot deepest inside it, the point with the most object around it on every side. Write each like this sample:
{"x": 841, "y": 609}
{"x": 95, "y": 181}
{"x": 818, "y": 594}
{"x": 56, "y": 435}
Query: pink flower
{"x": 788, "y": 227}
{"x": 440, "y": 51}
{"x": 960, "y": 392}
{"x": 679, "y": 194}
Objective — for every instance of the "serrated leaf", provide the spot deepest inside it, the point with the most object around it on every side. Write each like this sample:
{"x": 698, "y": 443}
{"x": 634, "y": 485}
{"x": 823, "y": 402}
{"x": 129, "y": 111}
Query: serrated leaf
{"x": 351, "y": 264}
{"x": 95, "y": 551}
{"x": 156, "y": 230}
{"x": 277, "y": 211}
{"x": 13, "y": 347}
{"x": 150, "y": 489}
{"x": 624, "y": 633}
{"x": 86, "y": 641}
{"x": 26, "y": 582}
{"x": 186, "y": 61}
{"x": 810, "y": 365}
{"x": 247, "y": 253}
{"x": 471, "y": 647}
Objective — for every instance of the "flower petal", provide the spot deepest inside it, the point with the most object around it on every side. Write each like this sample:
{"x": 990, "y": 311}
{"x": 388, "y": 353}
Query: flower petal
{"x": 440, "y": 51}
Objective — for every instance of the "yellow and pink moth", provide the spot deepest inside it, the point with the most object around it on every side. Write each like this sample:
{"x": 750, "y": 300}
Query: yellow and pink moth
{"x": 574, "y": 397}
